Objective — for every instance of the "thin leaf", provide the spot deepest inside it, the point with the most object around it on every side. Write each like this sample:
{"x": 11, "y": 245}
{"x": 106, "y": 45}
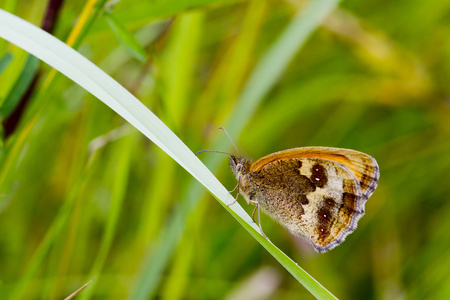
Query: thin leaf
{"x": 20, "y": 87}
{"x": 5, "y": 60}
{"x": 265, "y": 75}
{"x": 72, "y": 296}
{"x": 87, "y": 75}
{"x": 126, "y": 38}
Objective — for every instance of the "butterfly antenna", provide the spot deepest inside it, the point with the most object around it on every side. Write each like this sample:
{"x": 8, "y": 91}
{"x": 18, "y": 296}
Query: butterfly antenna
{"x": 231, "y": 140}
{"x": 212, "y": 151}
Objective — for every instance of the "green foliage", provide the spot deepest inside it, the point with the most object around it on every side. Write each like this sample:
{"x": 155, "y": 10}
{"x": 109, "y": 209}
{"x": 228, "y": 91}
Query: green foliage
{"x": 84, "y": 196}
{"x": 126, "y": 38}
{"x": 21, "y": 85}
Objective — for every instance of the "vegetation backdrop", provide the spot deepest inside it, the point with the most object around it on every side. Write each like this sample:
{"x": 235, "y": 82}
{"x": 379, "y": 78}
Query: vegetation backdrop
{"x": 85, "y": 196}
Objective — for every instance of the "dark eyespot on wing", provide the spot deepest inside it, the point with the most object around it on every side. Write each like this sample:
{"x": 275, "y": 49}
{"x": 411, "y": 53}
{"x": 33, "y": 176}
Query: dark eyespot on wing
{"x": 325, "y": 220}
{"x": 324, "y": 216}
{"x": 319, "y": 176}
{"x": 323, "y": 232}
{"x": 330, "y": 202}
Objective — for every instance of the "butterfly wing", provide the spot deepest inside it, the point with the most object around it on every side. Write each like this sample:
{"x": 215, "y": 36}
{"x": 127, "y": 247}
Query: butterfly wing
{"x": 364, "y": 167}
{"x": 323, "y": 193}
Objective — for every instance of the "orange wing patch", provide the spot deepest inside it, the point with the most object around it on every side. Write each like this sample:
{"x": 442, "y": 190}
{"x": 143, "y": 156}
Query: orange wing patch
{"x": 363, "y": 166}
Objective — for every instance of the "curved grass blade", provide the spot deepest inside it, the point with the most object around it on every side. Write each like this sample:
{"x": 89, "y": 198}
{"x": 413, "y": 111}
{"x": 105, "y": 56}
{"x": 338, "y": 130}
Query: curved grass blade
{"x": 265, "y": 75}
{"x": 87, "y": 75}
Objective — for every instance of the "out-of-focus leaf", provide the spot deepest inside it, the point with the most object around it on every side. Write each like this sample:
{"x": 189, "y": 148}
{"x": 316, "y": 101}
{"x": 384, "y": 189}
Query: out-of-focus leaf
{"x": 20, "y": 87}
{"x": 126, "y": 38}
{"x": 5, "y": 60}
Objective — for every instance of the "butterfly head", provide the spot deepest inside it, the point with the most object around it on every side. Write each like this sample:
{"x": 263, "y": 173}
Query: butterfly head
{"x": 239, "y": 165}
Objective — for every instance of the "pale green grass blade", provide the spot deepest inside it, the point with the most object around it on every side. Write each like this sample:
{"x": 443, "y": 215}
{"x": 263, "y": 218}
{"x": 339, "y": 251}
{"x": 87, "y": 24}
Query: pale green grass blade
{"x": 54, "y": 231}
{"x": 76, "y": 67}
{"x": 263, "y": 78}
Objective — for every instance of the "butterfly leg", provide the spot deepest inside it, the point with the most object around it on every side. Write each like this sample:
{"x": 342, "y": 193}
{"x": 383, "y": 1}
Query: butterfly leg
{"x": 253, "y": 213}
{"x": 256, "y": 207}
{"x": 259, "y": 219}
{"x": 235, "y": 200}
{"x": 237, "y": 185}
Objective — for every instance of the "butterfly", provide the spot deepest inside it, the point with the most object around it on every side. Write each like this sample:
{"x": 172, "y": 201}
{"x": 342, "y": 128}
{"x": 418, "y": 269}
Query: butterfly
{"x": 318, "y": 193}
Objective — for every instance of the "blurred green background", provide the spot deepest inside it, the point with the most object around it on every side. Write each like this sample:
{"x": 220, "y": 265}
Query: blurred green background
{"x": 84, "y": 196}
